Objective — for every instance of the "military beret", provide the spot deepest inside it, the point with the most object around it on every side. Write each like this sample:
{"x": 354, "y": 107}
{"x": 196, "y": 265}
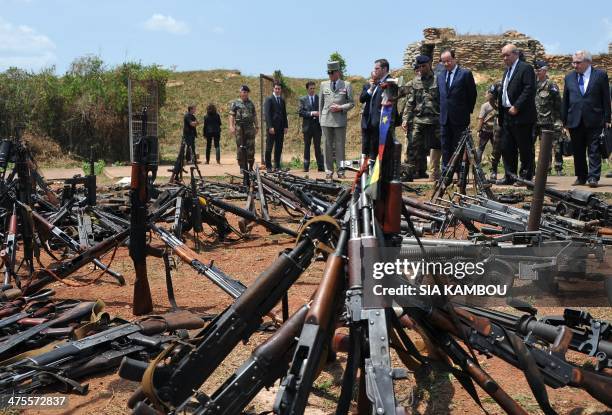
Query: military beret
{"x": 245, "y": 88}
{"x": 333, "y": 66}
{"x": 494, "y": 89}
{"x": 540, "y": 64}
{"x": 421, "y": 59}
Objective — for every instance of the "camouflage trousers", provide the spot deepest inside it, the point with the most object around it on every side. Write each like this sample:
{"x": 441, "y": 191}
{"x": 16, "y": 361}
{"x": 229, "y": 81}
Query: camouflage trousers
{"x": 249, "y": 139}
{"x": 557, "y": 143}
{"x": 494, "y": 137}
{"x": 424, "y": 137}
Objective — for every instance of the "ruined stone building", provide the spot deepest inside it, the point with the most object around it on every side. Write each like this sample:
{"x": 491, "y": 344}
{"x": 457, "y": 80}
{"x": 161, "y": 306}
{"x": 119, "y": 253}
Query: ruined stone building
{"x": 483, "y": 51}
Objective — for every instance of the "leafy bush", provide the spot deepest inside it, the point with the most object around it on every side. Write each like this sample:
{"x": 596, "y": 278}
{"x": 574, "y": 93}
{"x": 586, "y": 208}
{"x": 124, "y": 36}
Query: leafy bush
{"x": 87, "y": 106}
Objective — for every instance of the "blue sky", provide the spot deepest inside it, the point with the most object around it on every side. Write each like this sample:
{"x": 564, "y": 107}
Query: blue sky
{"x": 259, "y": 37}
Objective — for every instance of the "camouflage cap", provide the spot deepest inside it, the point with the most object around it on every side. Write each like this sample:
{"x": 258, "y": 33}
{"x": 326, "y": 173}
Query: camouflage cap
{"x": 245, "y": 88}
{"x": 539, "y": 64}
{"x": 333, "y": 66}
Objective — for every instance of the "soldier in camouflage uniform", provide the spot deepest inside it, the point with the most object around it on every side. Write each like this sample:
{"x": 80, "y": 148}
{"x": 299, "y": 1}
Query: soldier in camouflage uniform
{"x": 548, "y": 105}
{"x": 423, "y": 107}
{"x": 403, "y": 93}
{"x": 243, "y": 122}
{"x": 489, "y": 130}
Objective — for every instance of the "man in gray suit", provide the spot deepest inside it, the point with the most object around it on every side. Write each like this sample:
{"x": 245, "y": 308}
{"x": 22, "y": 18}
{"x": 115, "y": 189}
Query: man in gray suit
{"x": 335, "y": 100}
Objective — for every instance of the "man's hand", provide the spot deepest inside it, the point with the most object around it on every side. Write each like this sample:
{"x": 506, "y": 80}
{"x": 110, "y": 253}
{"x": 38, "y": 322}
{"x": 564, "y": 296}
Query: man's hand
{"x": 232, "y": 129}
{"x": 608, "y": 125}
{"x": 271, "y": 130}
{"x": 285, "y": 131}
{"x": 335, "y": 108}
{"x": 314, "y": 113}
{"x": 405, "y": 126}
{"x": 513, "y": 110}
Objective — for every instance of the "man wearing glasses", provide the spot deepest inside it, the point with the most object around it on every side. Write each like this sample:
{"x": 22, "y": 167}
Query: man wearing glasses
{"x": 335, "y": 100}
{"x": 586, "y": 111}
{"x": 517, "y": 114}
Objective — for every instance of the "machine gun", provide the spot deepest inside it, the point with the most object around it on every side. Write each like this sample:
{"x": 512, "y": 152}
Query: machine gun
{"x": 145, "y": 162}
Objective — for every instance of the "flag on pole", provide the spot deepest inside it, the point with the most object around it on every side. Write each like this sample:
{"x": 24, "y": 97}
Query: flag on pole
{"x": 373, "y": 186}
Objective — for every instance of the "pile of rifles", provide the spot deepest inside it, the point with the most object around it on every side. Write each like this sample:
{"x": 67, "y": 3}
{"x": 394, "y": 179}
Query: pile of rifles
{"x": 52, "y": 232}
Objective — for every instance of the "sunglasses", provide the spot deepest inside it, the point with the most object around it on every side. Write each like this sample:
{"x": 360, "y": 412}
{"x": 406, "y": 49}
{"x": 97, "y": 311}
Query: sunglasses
{"x": 330, "y": 72}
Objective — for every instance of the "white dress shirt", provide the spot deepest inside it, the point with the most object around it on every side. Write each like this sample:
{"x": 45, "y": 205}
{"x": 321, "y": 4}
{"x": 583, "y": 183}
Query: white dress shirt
{"x": 585, "y": 77}
{"x": 505, "y": 100}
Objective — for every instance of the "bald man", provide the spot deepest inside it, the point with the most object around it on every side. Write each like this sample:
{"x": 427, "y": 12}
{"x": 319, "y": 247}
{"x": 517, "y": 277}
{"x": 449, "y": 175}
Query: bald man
{"x": 517, "y": 114}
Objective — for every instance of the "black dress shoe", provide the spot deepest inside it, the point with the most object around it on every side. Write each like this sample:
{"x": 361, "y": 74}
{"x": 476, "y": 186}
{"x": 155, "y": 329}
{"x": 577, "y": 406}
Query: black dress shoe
{"x": 609, "y": 174}
{"x": 578, "y": 182}
{"x": 592, "y": 182}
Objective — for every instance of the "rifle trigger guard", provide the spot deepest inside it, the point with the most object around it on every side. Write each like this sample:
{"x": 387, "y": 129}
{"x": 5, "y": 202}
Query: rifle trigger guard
{"x": 321, "y": 218}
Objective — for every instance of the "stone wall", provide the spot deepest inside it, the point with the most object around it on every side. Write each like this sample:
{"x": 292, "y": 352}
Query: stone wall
{"x": 484, "y": 51}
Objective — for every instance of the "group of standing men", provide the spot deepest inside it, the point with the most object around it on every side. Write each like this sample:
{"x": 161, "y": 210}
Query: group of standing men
{"x": 518, "y": 108}
{"x": 437, "y": 112}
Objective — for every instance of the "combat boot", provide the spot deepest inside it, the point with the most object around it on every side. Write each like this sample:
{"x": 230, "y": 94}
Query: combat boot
{"x": 306, "y": 166}
{"x": 218, "y": 154}
{"x": 435, "y": 156}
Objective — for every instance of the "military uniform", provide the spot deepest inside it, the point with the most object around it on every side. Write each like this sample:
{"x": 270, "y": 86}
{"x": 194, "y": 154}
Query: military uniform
{"x": 246, "y": 121}
{"x": 490, "y": 132}
{"x": 548, "y": 106}
{"x": 422, "y": 111}
{"x": 333, "y": 124}
{"x": 404, "y": 92}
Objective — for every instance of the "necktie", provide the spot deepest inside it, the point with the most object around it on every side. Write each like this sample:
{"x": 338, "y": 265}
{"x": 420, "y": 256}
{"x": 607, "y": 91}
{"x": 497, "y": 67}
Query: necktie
{"x": 278, "y": 100}
{"x": 448, "y": 80}
{"x": 334, "y": 86}
{"x": 312, "y": 102}
{"x": 581, "y": 83}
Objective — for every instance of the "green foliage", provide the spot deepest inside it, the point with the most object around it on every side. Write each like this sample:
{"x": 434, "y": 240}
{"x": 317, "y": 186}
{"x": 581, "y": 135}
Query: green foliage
{"x": 98, "y": 167}
{"x": 86, "y": 106}
{"x": 336, "y": 56}
{"x": 279, "y": 77}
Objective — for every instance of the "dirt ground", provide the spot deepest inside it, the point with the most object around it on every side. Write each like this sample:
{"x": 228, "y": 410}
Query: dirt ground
{"x": 436, "y": 393}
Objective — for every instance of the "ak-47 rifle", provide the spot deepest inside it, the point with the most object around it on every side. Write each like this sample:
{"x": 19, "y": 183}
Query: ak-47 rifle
{"x": 316, "y": 334}
{"x": 268, "y": 362}
{"x": 68, "y": 241}
{"x": 192, "y": 365}
{"x": 74, "y": 314}
{"x": 9, "y": 252}
{"x": 231, "y": 286}
{"x": 62, "y": 361}
{"x": 139, "y": 197}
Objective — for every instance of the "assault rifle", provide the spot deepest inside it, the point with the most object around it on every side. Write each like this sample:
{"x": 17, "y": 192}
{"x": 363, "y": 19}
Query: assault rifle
{"x": 579, "y": 204}
{"x": 100, "y": 351}
{"x": 191, "y": 366}
{"x": 9, "y": 252}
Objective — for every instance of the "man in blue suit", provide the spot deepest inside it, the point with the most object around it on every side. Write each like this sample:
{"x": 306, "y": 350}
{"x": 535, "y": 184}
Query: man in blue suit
{"x": 586, "y": 111}
{"x": 457, "y": 99}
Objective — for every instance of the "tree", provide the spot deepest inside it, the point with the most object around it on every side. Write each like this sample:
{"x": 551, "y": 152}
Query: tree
{"x": 336, "y": 56}
{"x": 280, "y": 78}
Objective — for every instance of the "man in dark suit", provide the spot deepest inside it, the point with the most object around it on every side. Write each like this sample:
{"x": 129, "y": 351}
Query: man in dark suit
{"x": 309, "y": 111}
{"x": 373, "y": 101}
{"x": 457, "y": 99}
{"x": 364, "y": 98}
{"x": 517, "y": 114}
{"x": 586, "y": 111}
{"x": 275, "y": 113}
